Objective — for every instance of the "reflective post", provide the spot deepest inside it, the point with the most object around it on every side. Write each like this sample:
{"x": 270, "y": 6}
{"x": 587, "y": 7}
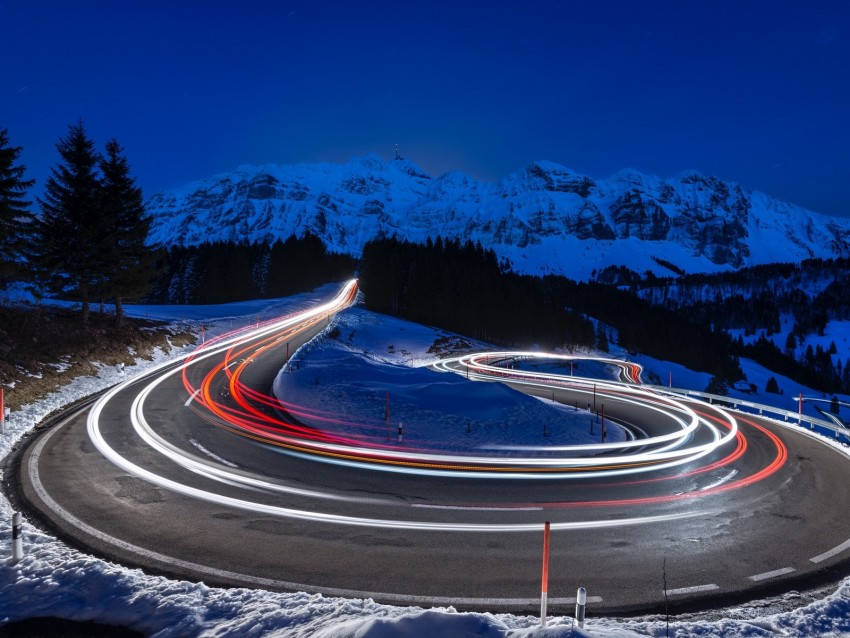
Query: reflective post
{"x": 581, "y": 602}
{"x": 17, "y": 538}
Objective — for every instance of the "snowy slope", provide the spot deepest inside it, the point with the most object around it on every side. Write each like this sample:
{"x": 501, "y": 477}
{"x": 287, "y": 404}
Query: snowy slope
{"x": 545, "y": 218}
{"x": 378, "y": 360}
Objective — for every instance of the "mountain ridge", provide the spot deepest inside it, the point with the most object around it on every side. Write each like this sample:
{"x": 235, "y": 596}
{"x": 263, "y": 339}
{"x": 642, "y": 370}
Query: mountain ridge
{"x": 545, "y": 218}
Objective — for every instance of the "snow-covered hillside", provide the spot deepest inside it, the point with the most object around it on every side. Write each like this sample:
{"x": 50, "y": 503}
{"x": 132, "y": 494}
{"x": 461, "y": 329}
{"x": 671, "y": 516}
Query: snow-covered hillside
{"x": 545, "y": 218}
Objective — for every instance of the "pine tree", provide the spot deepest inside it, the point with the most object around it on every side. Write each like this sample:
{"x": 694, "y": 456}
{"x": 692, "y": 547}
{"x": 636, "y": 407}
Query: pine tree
{"x": 717, "y": 385}
{"x": 601, "y": 337}
{"x": 69, "y": 234}
{"x": 128, "y": 262}
{"x": 772, "y": 386}
{"x": 15, "y": 218}
{"x": 790, "y": 344}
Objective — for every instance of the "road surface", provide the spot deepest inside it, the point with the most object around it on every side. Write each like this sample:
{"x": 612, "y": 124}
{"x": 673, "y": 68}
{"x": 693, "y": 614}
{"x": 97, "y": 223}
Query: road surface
{"x": 250, "y": 505}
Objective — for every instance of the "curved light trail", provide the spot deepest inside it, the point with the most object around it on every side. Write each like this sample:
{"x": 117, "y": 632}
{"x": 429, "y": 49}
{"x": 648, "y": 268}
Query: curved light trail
{"x": 224, "y": 400}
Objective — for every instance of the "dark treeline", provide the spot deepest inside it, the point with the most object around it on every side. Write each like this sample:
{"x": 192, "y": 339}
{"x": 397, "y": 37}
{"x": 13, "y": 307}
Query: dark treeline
{"x": 751, "y": 276}
{"x": 462, "y": 287}
{"x": 815, "y": 368}
{"x": 768, "y": 272}
{"x": 812, "y": 292}
{"x": 221, "y": 272}
{"x": 658, "y": 331}
{"x": 781, "y": 305}
{"x": 794, "y": 300}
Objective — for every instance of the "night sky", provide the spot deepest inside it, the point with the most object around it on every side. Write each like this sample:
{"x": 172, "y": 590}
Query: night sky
{"x": 750, "y": 91}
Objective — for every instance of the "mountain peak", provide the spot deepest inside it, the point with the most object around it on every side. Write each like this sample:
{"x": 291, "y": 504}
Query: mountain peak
{"x": 544, "y": 218}
{"x": 370, "y": 161}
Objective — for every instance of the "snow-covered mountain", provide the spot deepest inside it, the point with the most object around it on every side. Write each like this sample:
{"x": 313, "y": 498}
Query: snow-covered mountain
{"x": 545, "y": 218}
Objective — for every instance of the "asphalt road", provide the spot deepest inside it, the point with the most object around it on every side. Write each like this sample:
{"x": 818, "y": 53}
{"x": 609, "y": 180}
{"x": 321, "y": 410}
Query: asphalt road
{"x": 702, "y": 545}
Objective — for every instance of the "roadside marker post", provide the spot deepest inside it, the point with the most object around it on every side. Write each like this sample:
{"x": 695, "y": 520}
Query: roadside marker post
{"x": 17, "y": 538}
{"x": 544, "y": 589}
{"x": 581, "y": 602}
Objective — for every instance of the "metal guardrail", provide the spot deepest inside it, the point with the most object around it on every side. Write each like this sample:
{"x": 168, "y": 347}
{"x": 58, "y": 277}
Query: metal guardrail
{"x": 826, "y": 428}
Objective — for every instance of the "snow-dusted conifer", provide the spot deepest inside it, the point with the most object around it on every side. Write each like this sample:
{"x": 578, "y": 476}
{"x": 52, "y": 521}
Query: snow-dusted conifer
{"x": 128, "y": 262}
{"x": 70, "y": 234}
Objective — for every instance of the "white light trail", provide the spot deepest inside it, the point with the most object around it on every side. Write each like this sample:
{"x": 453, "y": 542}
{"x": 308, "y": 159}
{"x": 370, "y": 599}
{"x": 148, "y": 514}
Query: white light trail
{"x": 670, "y": 449}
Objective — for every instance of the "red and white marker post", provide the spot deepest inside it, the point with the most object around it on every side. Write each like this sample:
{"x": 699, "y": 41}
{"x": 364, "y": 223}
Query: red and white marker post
{"x": 544, "y": 589}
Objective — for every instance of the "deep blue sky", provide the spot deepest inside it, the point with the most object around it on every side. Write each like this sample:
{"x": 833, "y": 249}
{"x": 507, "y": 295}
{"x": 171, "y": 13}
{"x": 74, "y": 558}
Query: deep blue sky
{"x": 753, "y": 91}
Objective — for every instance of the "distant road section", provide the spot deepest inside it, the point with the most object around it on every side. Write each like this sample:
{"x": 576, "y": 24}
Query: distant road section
{"x": 196, "y": 471}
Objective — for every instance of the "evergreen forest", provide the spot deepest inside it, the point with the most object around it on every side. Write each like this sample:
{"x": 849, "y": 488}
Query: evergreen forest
{"x": 222, "y": 272}
{"x": 687, "y": 319}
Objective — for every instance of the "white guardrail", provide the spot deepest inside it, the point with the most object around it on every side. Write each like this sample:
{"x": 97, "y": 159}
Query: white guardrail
{"x": 829, "y": 429}
{"x": 814, "y": 424}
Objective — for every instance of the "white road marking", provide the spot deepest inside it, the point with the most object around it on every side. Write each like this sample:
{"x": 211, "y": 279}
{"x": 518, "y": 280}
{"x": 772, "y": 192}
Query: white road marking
{"x": 773, "y": 574}
{"x": 833, "y": 552}
{"x": 692, "y": 590}
{"x": 191, "y": 398}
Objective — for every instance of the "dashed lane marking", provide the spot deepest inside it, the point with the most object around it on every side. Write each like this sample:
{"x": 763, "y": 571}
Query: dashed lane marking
{"x": 833, "y": 552}
{"x": 692, "y": 590}
{"x": 773, "y": 574}
{"x": 191, "y": 398}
